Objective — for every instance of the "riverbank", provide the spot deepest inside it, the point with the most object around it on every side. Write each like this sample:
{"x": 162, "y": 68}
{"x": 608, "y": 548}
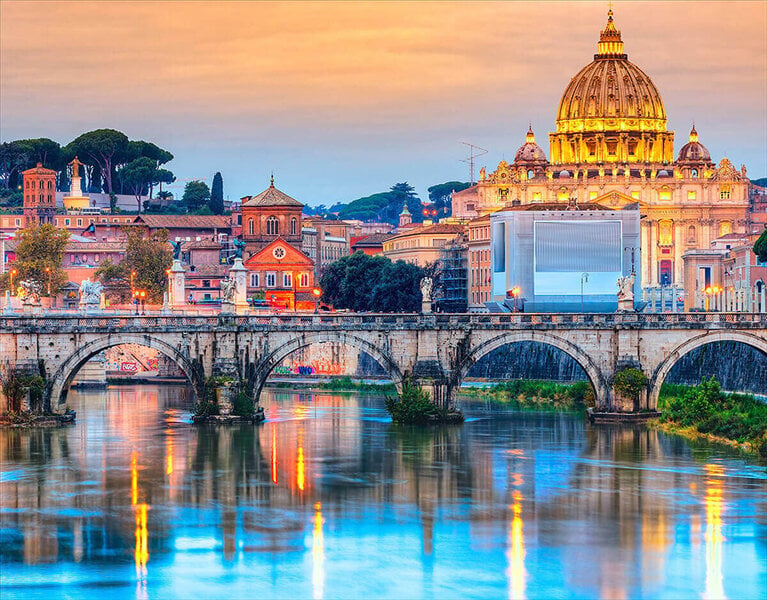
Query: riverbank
{"x": 536, "y": 394}
{"x": 706, "y": 412}
{"x": 335, "y": 384}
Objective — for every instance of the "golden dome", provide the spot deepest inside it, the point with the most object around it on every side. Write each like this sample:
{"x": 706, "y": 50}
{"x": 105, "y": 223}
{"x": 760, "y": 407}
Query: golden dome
{"x": 611, "y": 93}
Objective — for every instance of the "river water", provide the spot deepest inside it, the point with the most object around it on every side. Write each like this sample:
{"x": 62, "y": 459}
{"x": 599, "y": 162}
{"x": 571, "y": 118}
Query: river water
{"x": 328, "y": 499}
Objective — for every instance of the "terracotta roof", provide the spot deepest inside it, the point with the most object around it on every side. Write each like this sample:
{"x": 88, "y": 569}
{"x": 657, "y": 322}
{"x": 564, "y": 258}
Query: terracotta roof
{"x": 469, "y": 191}
{"x": 184, "y": 221}
{"x": 271, "y": 196}
{"x": 39, "y": 169}
{"x": 436, "y": 229}
{"x": 371, "y": 241}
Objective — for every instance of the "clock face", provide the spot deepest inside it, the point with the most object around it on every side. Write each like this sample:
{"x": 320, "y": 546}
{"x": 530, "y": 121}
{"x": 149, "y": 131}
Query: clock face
{"x": 278, "y": 252}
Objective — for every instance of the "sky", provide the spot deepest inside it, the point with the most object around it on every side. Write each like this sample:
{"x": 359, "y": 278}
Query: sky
{"x": 343, "y": 99}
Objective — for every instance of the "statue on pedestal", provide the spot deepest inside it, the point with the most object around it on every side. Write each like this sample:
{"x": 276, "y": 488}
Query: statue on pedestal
{"x": 29, "y": 292}
{"x": 426, "y": 287}
{"x": 626, "y": 293}
{"x": 90, "y": 294}
{"x": 228, "y": 289}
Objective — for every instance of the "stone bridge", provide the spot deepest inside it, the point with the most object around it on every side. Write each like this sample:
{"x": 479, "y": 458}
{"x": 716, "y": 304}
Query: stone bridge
{"x": 436, "y": 350}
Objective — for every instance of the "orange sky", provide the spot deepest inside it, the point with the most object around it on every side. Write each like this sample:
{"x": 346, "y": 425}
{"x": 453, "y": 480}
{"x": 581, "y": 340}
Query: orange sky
{"x": 345, "y": 99}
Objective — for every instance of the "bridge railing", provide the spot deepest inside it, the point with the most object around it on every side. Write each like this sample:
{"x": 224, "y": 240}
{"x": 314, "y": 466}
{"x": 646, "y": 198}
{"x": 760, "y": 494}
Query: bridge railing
{"x": 101, "y": 321}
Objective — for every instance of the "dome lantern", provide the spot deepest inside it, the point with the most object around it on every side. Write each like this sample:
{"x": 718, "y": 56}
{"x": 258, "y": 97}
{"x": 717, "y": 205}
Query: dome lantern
{"x": 610, "y": 44}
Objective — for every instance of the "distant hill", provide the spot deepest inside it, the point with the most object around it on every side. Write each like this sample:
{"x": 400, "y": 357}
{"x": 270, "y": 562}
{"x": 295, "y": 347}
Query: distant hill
{"x": 387, "y": 206}
{"x": 760, "y": 182}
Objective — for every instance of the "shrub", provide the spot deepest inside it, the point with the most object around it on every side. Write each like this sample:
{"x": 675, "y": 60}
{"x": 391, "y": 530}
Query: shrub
{"x": 630, "y": 383}
{"x": 413, "y": 407}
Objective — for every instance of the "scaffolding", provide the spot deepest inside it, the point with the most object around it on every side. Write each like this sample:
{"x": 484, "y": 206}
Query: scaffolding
{"x": 453, "y": 291}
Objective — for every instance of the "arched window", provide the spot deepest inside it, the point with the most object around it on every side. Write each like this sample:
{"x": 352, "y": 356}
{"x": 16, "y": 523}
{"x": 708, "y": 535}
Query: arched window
{"x": 33, "y": 184}
{"x": 530, "y": 174}
{"x": 50, "y": 198}
{"x": 49, "y": 185}
{"x": 272, "y": 226}
{"x": 293, "y": 226}
{"x": 42, "y": 196}
{"x": 27, "y": 184}
{"x": 251, "y": 227}
{"x": 694, "y": 173}
{"x": 691, "y": 234}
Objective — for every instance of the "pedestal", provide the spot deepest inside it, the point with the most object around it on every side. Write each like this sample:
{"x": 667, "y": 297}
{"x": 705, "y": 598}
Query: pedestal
{"x": 626, "y": 305}
{"x": 426, "y": 306}
{"x": 239, "y": 273}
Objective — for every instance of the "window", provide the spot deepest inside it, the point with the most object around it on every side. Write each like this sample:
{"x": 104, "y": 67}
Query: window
{"x": 50, "y": 198}
{"x": 206, "y": 283}
{"x": 293, "y": 226}
{"x": 251, "y": 227}
{"x": 96, "y": 258}
{"x": 665, "y": 194}
{"x": 18, "y": 222}
{"x": 635, "y": 194}
{"x": 271, "y": 280}
{"x": 33, "y": 185}
{"x": 724, "y": 192}
{"x": 694, "y": 173}
{"x": 664, "y": 272}
{"x": 530, "y": 174}
{"x": 725, "y": 227}
{"x": 304, "y": 280}
{"x": 254, "y": 280}
{"x": 66, "y": 222}
{"x": 49, "y": 185}
{"x": 79, "y": 222}
{"x": 692, "y": 195}
{"x": 665, "y": 233}
{"x": 563, "y": 196}
{"x": 592, "y": 195}
{"x": 272, "y": 226}
{"x": 287, "y": 280}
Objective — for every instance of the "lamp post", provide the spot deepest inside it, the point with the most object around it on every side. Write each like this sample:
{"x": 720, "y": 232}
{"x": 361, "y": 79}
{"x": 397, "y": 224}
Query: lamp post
{"x": 584, "y": 279}
{"x": 316, "y": 292}
{"x": 48, "y": 270}
{"x": 142, "y": 300}
{"x": 132, "y": 280}
{"x": 13, "y": 274}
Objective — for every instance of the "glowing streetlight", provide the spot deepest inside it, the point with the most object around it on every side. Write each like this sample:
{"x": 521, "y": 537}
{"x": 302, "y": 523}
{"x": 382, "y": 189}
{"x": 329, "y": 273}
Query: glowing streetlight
{"x": 48, "y": 270}
{"x": 13, "y": 274}
{"x": 316, "y": 292}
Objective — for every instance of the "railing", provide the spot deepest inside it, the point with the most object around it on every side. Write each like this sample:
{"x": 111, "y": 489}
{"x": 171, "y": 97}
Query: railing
{"x": 156, "y": 321}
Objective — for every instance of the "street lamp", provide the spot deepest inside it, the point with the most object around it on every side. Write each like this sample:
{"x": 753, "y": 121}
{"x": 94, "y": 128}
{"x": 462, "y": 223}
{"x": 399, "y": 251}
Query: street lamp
{"x": 514, "y": 293}
{"x": 48, "y": 270}
{"x": 132, "y": 280}
{"x": 13, "y": 274}
{"x": 316, "y": 292}
{"x": 584, "y": 279}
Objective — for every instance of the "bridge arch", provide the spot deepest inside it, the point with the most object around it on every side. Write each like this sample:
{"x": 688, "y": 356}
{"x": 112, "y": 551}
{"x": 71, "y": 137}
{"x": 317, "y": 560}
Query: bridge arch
{"x": 64, "y": 375}
{"x": 665, "y": 366}
{"x": 271, "y": 360}
{"x": 593, "y": 372}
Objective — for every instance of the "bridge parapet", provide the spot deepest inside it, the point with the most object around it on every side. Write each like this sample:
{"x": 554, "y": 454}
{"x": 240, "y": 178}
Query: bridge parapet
{"x": 353, "y": 321}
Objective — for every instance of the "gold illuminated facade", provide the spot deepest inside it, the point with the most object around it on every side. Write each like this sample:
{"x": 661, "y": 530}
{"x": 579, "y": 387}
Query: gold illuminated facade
{"x": 612, "y": 147}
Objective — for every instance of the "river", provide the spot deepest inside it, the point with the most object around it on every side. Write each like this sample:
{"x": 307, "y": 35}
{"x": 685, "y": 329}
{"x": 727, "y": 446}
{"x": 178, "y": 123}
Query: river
{"x": 328, "y": 499}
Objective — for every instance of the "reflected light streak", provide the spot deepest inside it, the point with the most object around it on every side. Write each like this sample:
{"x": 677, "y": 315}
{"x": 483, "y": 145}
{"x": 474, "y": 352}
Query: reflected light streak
{"x": 516, "y": 553}
{"x": 169, "y": 455}
{"x": 714, "y": 538}
{"x": 133, "y": 480}
{"x": 318, "y": 554}
{"x": 274, "y": 455}
{"x": 300, "y": 475}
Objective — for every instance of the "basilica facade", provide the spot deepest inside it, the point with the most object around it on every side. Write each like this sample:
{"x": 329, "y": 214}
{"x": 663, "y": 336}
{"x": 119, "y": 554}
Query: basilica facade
{"x": 611, "y": 147}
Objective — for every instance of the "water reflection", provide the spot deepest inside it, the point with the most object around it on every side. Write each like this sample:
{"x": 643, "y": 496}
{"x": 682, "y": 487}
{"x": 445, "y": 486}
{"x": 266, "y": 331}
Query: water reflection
{"x": 508, "y": 504}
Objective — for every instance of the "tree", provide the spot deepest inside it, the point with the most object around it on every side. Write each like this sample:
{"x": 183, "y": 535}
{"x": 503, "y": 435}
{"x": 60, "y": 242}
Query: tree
{"x": 404, "y": 194}
{"x": 196, "y": 195}
{"x": 149, "y": 256}
{"x": 441, "y": 195}
{"x": 39, "y": 258}
{"x": 217, "y": 195}
{"x": 138, "y": 175}
{"x": 372, "y": 283}
{"x": 760, "y": 247}
{"x": 104, "y": 148}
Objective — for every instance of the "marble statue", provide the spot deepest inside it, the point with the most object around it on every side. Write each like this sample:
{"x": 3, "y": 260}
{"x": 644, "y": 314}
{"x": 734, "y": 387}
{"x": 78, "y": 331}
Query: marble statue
{"x": 29, "y": 291}
{"x": 228, "y": 289}
{"x": 626, "y": 288}
{"x": 90, "y": 292}
{"x": 426, "y": 285}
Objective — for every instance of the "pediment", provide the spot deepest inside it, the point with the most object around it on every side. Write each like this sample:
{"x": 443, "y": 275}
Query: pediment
{"x": 616, "y": 200}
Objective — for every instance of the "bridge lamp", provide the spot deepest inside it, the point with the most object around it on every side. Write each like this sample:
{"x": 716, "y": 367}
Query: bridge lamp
{"x": 132, "y": 280}
{"x": 13, "y": 274}
{"x": 48, "y": 270}
{"x": 316, "y": 292}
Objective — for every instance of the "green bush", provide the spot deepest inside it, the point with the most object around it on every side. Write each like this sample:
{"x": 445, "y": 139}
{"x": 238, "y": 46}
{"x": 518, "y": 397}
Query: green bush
{"x": 413, "y": 407}
{"x": 630, "y": 383}
{"x": 243, "y": 404}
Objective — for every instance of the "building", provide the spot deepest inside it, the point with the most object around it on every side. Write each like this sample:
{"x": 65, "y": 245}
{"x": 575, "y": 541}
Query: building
{"x": 420, "y": 245}
{"x": 39, "y": 205}
{"x": 187, "y": 228}
{"x": 324, "y": 241}
{"x": 479, "y": 289}
{"x": 267, "y": 216}
{"x": 562, "y": 259}
{"x": 282, "y": 275}
{"x": 452, "y": 293}
{"x": 611, "y": 147}
{"x": 370, "y": 244}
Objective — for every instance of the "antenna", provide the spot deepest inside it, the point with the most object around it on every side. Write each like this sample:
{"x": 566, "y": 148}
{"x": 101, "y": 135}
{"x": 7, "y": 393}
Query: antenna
{"x": 470, "y": 159}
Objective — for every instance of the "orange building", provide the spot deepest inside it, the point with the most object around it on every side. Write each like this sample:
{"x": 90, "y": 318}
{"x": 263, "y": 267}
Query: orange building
{"x": 39, "y": 195}
{"x": 284, "y": 274}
